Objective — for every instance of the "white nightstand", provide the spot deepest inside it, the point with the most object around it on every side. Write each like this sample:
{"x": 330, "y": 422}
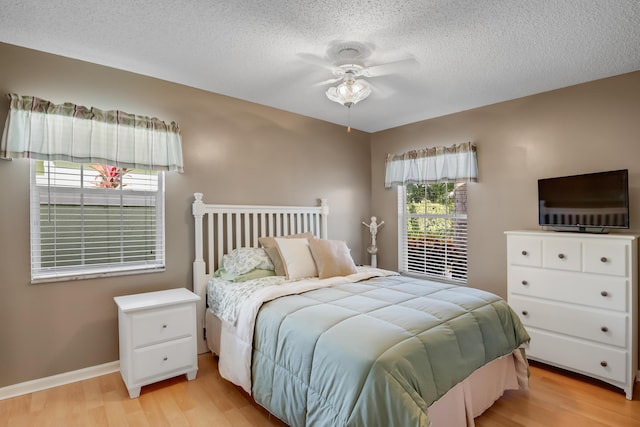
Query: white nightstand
{"x": 157, "y": 337}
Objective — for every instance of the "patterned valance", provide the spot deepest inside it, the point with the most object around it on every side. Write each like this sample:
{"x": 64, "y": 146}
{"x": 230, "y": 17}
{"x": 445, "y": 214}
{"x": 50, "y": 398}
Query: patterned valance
{"x": 456, "y": 163}
{"x": 38, "y": 129}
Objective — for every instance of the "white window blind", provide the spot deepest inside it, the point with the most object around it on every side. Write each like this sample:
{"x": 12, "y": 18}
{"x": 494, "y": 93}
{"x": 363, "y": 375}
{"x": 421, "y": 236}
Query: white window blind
{"x": 91, "y": 220}
{"x": 433, "y": 230}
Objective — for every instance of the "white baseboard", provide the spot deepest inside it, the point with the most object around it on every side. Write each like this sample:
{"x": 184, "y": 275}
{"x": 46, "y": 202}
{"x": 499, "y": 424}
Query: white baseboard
{"x": 58, "y": 380}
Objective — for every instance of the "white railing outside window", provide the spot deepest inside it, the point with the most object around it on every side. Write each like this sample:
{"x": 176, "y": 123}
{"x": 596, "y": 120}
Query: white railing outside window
{"x": 432, "y": 234}
{"x": 92, "y": 220}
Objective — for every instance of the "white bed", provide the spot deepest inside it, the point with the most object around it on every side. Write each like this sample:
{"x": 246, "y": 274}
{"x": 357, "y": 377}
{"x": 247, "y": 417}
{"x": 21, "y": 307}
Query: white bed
{"x": 222, "y": 228}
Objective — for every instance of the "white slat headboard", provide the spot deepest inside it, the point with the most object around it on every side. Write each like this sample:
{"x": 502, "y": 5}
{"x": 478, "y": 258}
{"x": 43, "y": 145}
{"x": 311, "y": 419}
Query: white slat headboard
{"x": 221, "y": 228}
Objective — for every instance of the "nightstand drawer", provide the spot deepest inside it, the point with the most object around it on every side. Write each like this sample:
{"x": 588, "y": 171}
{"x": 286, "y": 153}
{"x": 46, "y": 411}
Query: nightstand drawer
{"x": 164, "y": 324}
{"x": 163, "y": 359}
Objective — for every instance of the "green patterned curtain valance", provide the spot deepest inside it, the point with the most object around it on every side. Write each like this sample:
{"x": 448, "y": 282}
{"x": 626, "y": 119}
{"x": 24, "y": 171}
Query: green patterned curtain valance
{"x": 38, "y": 129}
{"x": 457, "y": 163}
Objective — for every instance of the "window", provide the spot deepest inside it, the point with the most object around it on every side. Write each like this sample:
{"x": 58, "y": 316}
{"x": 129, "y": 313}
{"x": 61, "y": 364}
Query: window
{"x": 90, "y": 220}
{"x": 433, "y": 230}
{"x": 106, "y": 215}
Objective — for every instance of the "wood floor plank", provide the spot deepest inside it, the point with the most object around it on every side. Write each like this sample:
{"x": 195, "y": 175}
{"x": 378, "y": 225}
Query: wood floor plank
{"x": 554, "y": 398}
{"x": 559, "y": 398}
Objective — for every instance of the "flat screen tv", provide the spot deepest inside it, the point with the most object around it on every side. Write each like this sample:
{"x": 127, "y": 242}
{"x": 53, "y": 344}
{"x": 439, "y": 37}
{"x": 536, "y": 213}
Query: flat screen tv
{"x": 591, "y": 202}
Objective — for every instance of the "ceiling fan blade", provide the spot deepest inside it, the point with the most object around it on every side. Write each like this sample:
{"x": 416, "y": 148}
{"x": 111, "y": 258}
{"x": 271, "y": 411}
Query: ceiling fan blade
{"x": 391, "y": 67}
{"x": 326, "y": 82}
{"x": 381, "y": 90}
{"x": 316, "y": 60}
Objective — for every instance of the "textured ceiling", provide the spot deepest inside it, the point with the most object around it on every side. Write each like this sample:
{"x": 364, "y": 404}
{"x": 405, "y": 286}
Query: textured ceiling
{"x": 465, "y": 54}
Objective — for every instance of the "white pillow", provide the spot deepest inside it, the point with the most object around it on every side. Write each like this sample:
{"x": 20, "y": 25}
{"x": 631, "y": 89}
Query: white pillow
{"x": 297, "y": 259}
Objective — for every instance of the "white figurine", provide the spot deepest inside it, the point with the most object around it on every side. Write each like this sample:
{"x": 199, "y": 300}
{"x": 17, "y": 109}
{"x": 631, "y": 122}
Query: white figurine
{"x": 373, "y": 229}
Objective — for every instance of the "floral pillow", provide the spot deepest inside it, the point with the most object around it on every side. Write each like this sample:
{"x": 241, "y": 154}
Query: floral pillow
{"x": 243, "y": 260}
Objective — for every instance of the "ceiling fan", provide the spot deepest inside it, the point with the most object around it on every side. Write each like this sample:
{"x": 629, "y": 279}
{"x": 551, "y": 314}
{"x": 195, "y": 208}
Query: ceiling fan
{"x": 347, "y": 62}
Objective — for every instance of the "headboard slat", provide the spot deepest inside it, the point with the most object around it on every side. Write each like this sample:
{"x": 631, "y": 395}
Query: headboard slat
{"x": 219, "y": 243}
{"x": 210, "y": 252}
{"x": 278, "y": 225}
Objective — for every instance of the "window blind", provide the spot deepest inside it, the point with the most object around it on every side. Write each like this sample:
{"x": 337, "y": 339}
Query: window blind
{"x": 433, "y": 231}
{"x": 91, "y": 220}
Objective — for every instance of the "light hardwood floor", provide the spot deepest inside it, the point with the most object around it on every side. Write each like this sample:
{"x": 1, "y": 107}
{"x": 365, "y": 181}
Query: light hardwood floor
{"x": 554, "y": 399}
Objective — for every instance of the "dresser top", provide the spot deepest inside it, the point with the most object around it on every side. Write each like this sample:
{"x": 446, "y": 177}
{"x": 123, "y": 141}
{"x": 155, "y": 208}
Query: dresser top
{"x": 155, "y": 299}
{"x": 574, "y": 235}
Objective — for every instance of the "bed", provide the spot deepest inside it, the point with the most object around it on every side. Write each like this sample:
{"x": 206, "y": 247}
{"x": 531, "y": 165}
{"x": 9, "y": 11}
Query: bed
{"x": 361, "y": 346}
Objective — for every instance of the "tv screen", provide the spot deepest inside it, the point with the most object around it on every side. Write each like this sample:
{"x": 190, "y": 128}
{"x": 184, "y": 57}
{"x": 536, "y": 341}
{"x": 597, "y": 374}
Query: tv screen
{"x": 584, "y": 202}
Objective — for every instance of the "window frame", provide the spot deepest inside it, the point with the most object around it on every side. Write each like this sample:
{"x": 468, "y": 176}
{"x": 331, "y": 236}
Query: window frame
{"x": 403, "y": 239}
{"x": 72, "y": 194}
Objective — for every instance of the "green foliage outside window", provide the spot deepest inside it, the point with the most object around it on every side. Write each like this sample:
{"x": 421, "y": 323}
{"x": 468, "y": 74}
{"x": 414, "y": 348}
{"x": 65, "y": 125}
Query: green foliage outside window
{"x": 434, "y": 199}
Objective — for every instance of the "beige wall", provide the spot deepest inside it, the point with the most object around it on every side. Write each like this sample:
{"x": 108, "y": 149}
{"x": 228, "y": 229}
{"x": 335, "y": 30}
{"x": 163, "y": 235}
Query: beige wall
{"x": 234, "y": 152}
{"x": 585, "y": 128}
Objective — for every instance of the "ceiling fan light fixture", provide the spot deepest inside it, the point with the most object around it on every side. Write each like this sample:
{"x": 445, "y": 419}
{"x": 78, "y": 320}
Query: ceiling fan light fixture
{"x": 349, "y": 92}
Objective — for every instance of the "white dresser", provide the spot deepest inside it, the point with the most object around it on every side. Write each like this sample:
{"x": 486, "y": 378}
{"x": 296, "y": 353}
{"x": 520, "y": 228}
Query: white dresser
{"x": 157, "y": 337}
{"x": 577, "y": 295}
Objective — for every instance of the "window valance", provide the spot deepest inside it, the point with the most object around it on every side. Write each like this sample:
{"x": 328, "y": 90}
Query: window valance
{"x": 457, "y": 163}
{"x": 38, "y": 129}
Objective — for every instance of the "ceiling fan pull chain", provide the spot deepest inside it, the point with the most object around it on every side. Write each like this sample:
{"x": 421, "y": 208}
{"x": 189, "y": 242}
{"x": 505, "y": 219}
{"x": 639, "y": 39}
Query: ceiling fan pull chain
{"x": 349, "y": 119}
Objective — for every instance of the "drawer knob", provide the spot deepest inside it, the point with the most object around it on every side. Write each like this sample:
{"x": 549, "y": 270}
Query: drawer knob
{"x": 604, "y": 259}
{"x": 525, "y": 283}
{"x": 164, "y": 326}
{"x": 604, "y": 363}
{"x": 525, "y": 313}
{"x": 604, "y": 329}
{"x": 165, "y": 358}
{"x": 604, "y": 293}
{"x": 525, "y": 253}
{"x": 561, "y": 256}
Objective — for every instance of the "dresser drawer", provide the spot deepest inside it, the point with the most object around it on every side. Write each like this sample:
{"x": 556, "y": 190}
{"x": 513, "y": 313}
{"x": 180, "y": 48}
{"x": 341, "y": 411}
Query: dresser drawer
{"x": 604, "y": 327}
{"x": 561, "y": 254}
{"x": 163, "y": 359}
{"x": 162, "y": 324}
{"x": 606, "y": 292}
{"x": 578, "y": 355}
{"x": 525, "y": 251}
{"x": 611, "y": 258}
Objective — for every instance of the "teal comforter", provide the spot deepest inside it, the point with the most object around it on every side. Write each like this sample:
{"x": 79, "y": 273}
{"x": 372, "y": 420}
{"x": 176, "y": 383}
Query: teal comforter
{"x": 375, "y": 353}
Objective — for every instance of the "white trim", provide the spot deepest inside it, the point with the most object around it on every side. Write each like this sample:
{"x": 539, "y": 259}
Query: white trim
{"x": 402, "y": 201}
{"x": 86, "y": 274}
{"x": 58, "y": 380}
